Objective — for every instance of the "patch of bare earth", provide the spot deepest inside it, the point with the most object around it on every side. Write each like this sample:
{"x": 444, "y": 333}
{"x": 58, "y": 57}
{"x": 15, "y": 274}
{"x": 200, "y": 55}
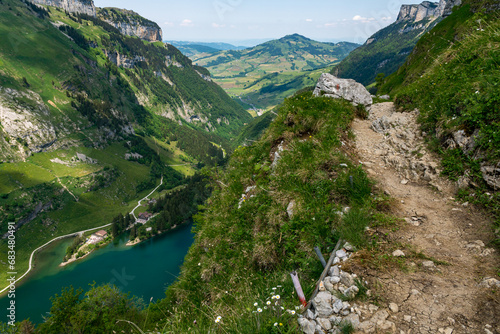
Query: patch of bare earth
{"x": 432, "y": 297}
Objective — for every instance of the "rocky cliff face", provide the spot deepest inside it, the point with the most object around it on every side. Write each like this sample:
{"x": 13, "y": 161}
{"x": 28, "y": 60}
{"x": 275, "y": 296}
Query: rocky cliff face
{"x": 25, "y": 127}
{"x": 131, "y": 24}
{"x": 419, "y": 12}
{"x": 427, "y": 9}
{"x": 446, "y": 6}
{"x": 71, "y": 6}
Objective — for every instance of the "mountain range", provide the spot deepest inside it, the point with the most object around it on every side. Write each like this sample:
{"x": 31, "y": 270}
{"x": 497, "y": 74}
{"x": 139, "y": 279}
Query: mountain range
{"x": 190, "y": 49}
{"x": 95, "y": 111}
{"x": 263, "y": 75}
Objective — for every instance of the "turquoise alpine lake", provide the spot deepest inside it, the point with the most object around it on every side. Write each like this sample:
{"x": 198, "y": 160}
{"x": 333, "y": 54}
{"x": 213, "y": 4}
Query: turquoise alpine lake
{"x": 145, "y": 270}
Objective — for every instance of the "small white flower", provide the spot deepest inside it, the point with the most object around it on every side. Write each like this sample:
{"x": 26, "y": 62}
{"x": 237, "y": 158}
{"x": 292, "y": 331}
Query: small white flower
{"x": 278, "y": 297}
{"x": 199, "y": 263}
{"x": 259, "y": 310}
{"x": 255, "y": 304}
{"x": 268, "y": 302}
{"x": 275, "y": 324}
{"x": 274, "y": 288}
{"x": 218, "y": 319}
{"x": 292, "y": 312}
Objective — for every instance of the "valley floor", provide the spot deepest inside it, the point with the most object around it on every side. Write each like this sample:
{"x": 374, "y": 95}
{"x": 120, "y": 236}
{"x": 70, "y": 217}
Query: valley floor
{"x": 451, "y": 293}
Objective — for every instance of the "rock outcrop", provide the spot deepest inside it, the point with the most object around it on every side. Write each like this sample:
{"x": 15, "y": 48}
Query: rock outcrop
{"x": 348, "y": 89}
{"x": 446, "y": 7}
{"x": 427, "y": 9}
{"x": 131, "y": 24}
{"x": 123, "y": 61}
{"x": 25, "y": 126}
{"x": 418, "y": 12}
{"x": 71, "y": 6}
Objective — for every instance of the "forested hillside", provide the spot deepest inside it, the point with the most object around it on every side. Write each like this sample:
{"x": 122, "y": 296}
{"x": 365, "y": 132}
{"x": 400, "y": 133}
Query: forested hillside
{"x": 92, "y": 119}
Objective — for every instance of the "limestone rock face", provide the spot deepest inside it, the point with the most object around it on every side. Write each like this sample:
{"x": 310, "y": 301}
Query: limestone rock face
{"x": 71, "y": 6}
{"x": 148, "y": 33}
{"x": 348, "y": 89}
{"x": 446, "y": 6}
{"x": 416, "y": 13}
{"x": 123, "y": 61}
{"x": 25, "y": 128}
{"x": 131, "y": 24}
{"x": 427, "y": 9}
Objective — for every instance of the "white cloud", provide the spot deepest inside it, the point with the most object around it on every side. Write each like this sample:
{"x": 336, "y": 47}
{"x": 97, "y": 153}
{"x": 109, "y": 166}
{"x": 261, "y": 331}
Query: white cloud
{"x": 360, "y": 18}
{"x": 168, "y": 24}
{"x": 216, "y": 25}
{"x": 309, "y": 20}
{"x": 331, "y": 25}
{"x": 187, "y": 23}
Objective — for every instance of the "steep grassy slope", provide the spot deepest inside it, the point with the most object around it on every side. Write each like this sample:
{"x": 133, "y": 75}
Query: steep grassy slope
{"x": 384, "y": 52}
{"x": 249, "y": 237}
{"x": 264, "y": 75}
{"x": 72, "y": 88}
{"x": 246, "y": 245}
{"x": 453, "y": 77}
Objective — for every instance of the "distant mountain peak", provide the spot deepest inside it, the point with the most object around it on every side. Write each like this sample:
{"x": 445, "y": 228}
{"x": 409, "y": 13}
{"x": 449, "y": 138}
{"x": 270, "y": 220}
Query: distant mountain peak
{"x": 295, "y": 37}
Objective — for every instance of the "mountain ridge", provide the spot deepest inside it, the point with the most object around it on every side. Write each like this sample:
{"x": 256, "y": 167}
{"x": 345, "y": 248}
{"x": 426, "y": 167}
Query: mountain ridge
{"x": 386, "y": 50}
{"x": 263, "y": 75}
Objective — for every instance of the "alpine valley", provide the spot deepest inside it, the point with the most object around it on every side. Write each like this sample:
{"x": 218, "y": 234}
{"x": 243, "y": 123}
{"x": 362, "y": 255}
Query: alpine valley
{"x": 262, "y": 76}
{"x": 93, "y": 111}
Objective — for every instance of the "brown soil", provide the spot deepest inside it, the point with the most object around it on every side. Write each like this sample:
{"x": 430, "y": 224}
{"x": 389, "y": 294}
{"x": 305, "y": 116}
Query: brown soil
{"x": 438, "y": 298}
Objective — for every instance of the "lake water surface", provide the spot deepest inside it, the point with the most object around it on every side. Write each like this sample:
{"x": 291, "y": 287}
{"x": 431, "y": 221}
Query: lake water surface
{"x": 144, "y": 270}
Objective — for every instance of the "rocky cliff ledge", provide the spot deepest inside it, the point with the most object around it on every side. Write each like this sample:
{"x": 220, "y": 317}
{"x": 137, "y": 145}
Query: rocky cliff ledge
{"x": 131, "y": 24}
{"x": 427, "y": 9}
{"x": 71, "y": 6}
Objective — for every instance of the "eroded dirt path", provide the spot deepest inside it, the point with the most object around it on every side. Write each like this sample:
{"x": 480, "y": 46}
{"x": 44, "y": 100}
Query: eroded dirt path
{"x": 432, "y": 298}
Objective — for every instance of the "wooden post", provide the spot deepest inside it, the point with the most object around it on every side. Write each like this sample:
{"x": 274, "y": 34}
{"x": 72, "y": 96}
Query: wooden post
{"x": 320, "y": 256}
{"x": 323, "y": 275}
{"x": 298, "y": 288}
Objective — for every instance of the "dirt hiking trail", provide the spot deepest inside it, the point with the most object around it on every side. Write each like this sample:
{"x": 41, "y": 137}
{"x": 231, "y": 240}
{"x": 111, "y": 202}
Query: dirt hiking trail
{"x": 455, "y": 293}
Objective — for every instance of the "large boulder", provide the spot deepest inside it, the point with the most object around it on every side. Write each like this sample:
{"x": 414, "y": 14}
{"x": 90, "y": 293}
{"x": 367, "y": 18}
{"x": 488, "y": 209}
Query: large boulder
{"x": 348, "y": 89}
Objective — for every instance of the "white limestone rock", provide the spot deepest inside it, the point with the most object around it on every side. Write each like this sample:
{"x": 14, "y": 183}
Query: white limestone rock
{"x": 348, "y": 89}
{"x": 307, "y": 327}
{"x": 323, "y": 304}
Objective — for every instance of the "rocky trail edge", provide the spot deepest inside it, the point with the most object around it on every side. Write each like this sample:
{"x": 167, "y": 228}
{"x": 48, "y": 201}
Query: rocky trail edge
{"x": 451, "y": 289}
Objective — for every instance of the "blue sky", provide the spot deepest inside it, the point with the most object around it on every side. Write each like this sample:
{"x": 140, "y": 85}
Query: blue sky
{"x": 237, "y": 20}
